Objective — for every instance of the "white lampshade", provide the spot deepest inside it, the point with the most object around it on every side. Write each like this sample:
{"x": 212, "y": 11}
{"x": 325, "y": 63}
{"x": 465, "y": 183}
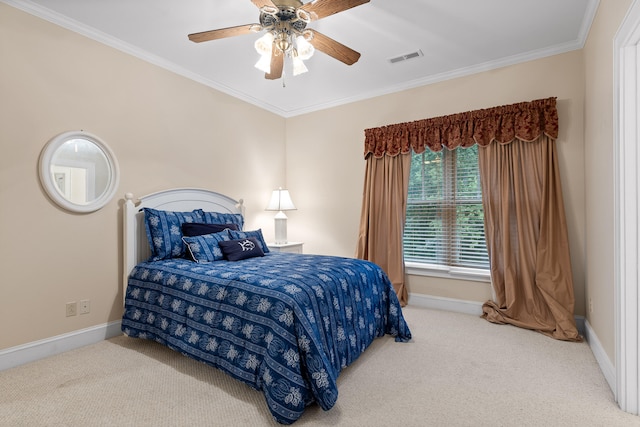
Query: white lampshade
{"x": 264, "y": 44}
{"x": 298, "y": 66}
{"x": 264, "y": 63}
{"x": 304, "y": 48}
{"x": 280, "y": 201}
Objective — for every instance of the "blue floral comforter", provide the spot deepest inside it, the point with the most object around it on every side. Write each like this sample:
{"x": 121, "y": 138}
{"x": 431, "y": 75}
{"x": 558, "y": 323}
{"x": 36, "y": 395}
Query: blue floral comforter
{"x": 285, "y": 324}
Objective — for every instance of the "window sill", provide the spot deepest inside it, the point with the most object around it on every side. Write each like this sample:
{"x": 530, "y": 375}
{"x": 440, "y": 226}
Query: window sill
{"x": 471, "y": 274}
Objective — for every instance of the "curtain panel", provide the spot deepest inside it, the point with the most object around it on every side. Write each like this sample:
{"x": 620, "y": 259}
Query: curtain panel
{"x": 527, "y": 240}
{"x": 384, "y": 207}
{"x": 525, "y": 225}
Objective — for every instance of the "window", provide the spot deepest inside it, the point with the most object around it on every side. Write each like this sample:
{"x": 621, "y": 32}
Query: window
{"x": 444, "y": 229}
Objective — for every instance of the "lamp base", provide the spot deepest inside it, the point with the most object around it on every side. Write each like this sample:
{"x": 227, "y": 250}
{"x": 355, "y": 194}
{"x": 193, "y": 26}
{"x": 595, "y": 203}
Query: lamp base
{"x": 281, "y": 227}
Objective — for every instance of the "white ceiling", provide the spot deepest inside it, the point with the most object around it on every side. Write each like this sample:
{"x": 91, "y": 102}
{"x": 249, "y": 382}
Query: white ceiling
{"x": 456, "y": 37}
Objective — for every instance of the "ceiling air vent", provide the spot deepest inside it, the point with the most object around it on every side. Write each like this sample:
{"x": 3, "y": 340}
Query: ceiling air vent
{"x": 405, "y": 57}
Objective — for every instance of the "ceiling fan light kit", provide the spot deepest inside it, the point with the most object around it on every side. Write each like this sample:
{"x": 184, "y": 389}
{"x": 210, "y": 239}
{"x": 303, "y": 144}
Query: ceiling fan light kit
{"x": 287, "y": 35}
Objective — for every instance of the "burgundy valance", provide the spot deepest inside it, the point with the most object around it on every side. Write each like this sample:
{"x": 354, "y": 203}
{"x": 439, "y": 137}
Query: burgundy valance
{"x": 524, "y": 120}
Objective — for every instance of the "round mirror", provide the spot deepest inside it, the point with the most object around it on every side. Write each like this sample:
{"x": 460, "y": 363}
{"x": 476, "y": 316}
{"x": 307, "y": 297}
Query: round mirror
{"x": 78, "y": 171}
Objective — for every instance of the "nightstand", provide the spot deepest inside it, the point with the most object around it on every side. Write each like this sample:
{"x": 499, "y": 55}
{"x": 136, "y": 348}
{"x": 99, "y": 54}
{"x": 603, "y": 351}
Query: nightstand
{"x": 292, "y": 247}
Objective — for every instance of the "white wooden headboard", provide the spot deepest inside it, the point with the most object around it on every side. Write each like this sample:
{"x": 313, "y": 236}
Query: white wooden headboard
{"x": 136, "y": 245}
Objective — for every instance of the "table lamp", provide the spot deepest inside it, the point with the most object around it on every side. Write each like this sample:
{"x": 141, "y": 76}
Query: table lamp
{"x": 280, "y": 201}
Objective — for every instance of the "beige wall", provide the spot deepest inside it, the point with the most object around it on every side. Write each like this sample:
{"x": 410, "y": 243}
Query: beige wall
{"x": 166, "y": 131}
{"x": 598, "y": 54}
{"x": 325, "y": 166}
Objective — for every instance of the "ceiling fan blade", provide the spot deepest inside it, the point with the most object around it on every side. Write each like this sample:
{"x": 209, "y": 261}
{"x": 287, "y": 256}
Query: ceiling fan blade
{"x": 277, "y": 64}
{"x": 321, "y": 8}
{"x": 262, "y": 3}
{"x": 334, "y": 49}
{"x": 223, "y": 33}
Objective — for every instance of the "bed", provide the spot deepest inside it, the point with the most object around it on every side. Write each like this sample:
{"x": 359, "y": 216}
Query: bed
{"x": 285, "y": 324}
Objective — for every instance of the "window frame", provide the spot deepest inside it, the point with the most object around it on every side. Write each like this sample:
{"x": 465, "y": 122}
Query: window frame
{"x": 448, "y": 271}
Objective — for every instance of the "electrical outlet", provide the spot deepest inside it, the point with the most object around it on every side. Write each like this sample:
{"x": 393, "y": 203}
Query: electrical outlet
{"x": 72, "y": 308}
{"x": 85, "y": 306}
{"x": 590, "y": 305}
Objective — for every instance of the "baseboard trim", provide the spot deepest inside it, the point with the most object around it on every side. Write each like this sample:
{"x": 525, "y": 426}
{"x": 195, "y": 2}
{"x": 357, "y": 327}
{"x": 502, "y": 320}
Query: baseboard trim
{"x": 475, "y": 308}
{"x": 580, "y": 324}
{"x": 606, "y": 366}
{"x": 446, "y": 304}
{"x": 30, "y": 352}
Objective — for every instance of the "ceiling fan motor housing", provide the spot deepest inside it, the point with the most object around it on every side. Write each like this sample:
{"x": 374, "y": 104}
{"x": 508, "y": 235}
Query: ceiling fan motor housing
{"x": 289, "y": 17}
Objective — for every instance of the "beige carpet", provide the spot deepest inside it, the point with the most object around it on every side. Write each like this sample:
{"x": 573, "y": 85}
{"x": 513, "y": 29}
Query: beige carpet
{"x": 459, "y": 370}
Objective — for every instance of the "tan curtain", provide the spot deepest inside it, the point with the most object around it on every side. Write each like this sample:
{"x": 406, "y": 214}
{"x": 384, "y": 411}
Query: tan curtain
{"x": 526, "y": 233}
{"x": 384, "y": 204}
{"x": 530, "y": 265}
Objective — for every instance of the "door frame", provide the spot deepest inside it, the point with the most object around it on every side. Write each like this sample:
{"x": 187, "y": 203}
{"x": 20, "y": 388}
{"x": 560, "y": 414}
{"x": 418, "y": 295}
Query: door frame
{"x": 626, "y": 108}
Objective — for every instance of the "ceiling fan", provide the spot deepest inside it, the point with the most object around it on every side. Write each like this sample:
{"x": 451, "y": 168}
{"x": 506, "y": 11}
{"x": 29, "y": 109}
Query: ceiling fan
{"x": 285, "y": 22}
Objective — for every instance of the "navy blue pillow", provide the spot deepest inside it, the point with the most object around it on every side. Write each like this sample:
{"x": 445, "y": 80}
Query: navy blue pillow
{"x": 236, "y": 250}
{"x": 190, "y": 229}
{"x": 257, "y": 234}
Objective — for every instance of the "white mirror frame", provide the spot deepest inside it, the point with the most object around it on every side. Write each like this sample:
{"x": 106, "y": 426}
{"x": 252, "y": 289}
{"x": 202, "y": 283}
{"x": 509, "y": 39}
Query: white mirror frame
{"x": 50, "y": 186}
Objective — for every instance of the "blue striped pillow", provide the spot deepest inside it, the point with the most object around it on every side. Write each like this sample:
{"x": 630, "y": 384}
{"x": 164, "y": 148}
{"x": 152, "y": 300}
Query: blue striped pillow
{"x": 221, "y": 218}
{"x": 164, "y": 232}
{"x": 206, "y": 247}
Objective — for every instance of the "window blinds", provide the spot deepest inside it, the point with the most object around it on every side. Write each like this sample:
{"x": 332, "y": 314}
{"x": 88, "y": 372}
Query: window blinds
{"x": 445, "y": 223}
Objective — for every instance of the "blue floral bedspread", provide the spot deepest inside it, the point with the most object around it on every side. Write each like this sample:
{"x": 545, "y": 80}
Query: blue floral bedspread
{"x": 285, "y": 324}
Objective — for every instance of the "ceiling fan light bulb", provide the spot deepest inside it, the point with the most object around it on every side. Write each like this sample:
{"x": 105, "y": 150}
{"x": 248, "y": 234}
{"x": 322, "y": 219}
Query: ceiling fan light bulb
{"x": 264, "y": 44}
{"x": 304, "y": 48}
